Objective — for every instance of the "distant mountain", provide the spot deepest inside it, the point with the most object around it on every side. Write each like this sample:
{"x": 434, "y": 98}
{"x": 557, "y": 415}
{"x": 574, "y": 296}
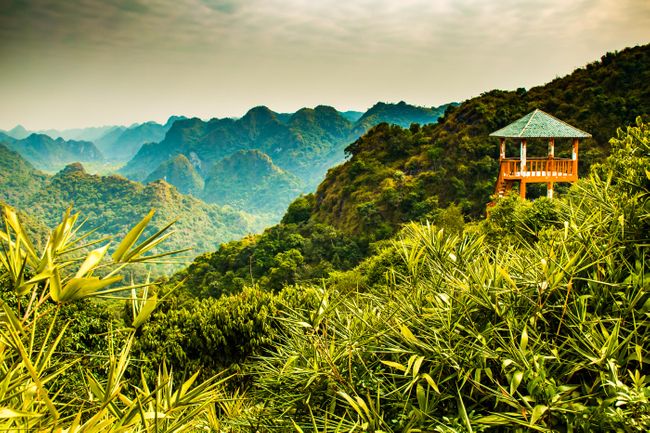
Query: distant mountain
{"x": 49, "y": 154}
{"x": 249, "y": 180}
{"x": 108, "y": 139}
{"x": 113, "y": 204}
{"x": 86, "y": 134}
{"x": 179, "y": 172}
{"x": 120, "y": 143}
{"x": 5, "y": 138}
{"x": 401, "y": 114}
{"x": 352, "y": 116}
{"x": 18, "y": 132}
{"x": 306, "y": 143}
{"x": 322, "y": 125}
{"x": 171, "y": 120}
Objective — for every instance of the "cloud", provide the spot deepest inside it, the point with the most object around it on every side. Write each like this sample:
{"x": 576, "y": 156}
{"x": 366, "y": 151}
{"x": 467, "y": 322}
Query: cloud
{"x": 242, "y": 52}
{"x": 359, "y": 27}
{"x": 222, "y": 6}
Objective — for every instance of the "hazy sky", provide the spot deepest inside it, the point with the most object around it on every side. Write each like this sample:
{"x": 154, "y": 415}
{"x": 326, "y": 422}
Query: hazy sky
{"x": 71, "y": 63}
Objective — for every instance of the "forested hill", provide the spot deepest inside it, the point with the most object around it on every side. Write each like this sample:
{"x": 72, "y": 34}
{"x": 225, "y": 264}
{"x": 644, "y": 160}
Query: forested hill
{"x": 113, "y": 204}
{"x": 51, "y": 154}
{"x": 396, "y": 175}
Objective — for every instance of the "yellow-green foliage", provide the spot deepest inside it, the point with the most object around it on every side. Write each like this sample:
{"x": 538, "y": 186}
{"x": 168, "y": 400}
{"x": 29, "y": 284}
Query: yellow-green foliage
{"x": 533, "y": 333}
{"x": 36, "y": 393}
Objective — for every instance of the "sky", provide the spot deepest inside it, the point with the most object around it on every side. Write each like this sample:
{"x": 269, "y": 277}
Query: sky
{"x": 77, "y": 63}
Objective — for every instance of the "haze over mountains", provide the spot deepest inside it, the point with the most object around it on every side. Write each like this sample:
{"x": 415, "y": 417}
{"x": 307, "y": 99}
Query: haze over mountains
{"x": 115, "y": 144}
{"x": 52, "y": 154}
{"x": 257, "y": 163}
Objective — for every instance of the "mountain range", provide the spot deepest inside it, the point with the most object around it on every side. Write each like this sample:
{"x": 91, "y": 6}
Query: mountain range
{"x": 114, "y": 204}
{"x": 117, "y": 144}
{"x": 52, "y": 154}
{"x": 298, "y": 148}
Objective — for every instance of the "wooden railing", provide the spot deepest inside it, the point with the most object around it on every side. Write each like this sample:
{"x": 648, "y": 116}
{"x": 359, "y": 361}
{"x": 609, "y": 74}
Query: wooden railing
{"x": 537, "y": 167}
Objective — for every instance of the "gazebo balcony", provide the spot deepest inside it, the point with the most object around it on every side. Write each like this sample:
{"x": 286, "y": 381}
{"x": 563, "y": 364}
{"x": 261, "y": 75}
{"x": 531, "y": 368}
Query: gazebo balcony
{"x": 523, "y": 170}
{"x": 539, "y": 170}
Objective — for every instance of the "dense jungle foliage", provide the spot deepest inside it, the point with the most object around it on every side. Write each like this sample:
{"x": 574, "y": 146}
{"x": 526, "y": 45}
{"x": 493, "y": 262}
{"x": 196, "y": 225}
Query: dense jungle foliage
{"x": 544, "y": 329}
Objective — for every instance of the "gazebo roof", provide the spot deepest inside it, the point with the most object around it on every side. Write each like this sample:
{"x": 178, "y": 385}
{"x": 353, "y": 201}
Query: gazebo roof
{"x": 539, "y": 124}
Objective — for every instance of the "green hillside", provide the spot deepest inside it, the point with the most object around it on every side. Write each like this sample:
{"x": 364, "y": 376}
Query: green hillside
{"x": 385, "y": 302}
{"x": 401, "y": 114}
{"x": 443, "y": 173}
{"x": 179, "y": 172}
{"x": 397, "y": 175}
{"x": 248, "y": 180}
{"x": 18, "y": 178}
{"x": 534, "y": 318}
{"x": 113, "y": 204}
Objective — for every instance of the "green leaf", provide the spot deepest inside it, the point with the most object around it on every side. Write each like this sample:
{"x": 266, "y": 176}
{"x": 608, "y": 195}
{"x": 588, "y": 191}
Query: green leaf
{"x": 395, "y": 365}
{"x": 523, "y": 343}
{"x": 406, "y": 332}
{"x": 132, "y": 237}
{"x": 6, "y": 412}
{"x": 538, "y": 411}
{"x": 431, "y": 382}
{"x": 78, "y": 288}
{"x": 92, "y": 260}
{"x": 145, "y": 312}
{"x": 416, "y": 365}
{"x": 515, "y": 381}
{"x": 352, "y": 403}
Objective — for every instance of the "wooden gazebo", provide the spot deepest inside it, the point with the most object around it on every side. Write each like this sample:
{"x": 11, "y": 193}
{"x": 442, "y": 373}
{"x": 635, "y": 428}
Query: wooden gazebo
{"x": 550, "y": 169}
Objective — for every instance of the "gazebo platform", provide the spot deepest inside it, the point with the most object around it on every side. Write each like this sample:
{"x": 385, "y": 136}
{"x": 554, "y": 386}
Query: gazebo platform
{"x": 549, "y": 170}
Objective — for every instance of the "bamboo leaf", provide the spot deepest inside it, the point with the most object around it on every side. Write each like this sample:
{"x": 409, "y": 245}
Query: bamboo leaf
{"x": 78, "y": 288}
{"x": 6, "y": 412}
{"x": 132, "y": 237}
{"x": 352, "y": 403}
{"x": 431, "y": 382}
{"x": 145, "y": 311}
{"x": 92, "y": 260}
{"x": 395, "y": 365}
{"x": 515, "y": 381}
{"x": 406, "y": 332}
{"x": 416, "y": 365}
{"x": 538, "y": 411}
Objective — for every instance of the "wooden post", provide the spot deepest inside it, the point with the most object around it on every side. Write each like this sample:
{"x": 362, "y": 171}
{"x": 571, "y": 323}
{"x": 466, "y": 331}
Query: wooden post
{"x": 523, "y": 156}
{"x": 502, "y": 149}
{"x": 551, "y": 148}
{"x": 522, "y": 189}
{"x": 549, "y": 190}
{"x": 574, "y": 156}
